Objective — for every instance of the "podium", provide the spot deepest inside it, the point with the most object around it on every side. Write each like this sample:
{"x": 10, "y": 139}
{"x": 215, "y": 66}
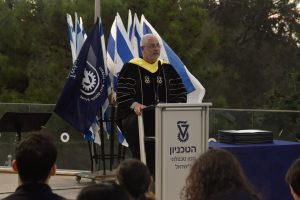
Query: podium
{"x": 23, "y": 122}
{"x": 181, "y": 136}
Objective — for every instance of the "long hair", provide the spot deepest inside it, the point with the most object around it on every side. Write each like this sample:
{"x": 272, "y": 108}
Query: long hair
{"x": 292, "y": 176}
{"x": 214, "y": 173}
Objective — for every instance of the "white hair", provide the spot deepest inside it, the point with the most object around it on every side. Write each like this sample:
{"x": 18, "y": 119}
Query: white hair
{"x": 145, "y": 39}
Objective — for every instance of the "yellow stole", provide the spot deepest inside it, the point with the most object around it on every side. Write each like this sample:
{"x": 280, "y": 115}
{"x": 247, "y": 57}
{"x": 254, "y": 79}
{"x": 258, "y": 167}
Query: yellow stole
{"x": 147, "y": 66}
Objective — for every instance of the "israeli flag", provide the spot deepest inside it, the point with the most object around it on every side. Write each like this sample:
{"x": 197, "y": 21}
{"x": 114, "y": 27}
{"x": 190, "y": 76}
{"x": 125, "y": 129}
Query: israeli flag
{"x": 129, "y": 23}
{"x": 105, "y": 107}
{"x": 76, "y": 35}
{"x": 119, "y": 52}
{"x": 85, "y": 90}
{"x": 80, "y": 34}
{"x": 93, "y": 133}
{"x": 119, "y": 49}
{"x": 194, "y": 88}
{"x": 135, "y": 37}
{"x": 72, "y": 37}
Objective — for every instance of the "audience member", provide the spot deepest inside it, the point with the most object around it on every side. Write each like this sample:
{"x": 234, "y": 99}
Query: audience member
{"x": 217, "y": 175}
{"x": 103, "y": 191}
{"x": 293, "y": 179}
{"x": 135, "y": 177}
{"x": 35, "y": 163}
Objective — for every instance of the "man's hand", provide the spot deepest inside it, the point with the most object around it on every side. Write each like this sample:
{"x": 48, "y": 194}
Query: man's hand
{"x": 138, "y": 108}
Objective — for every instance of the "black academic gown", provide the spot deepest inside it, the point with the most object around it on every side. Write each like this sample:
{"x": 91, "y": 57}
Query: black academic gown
{"x": 137, "y": 84}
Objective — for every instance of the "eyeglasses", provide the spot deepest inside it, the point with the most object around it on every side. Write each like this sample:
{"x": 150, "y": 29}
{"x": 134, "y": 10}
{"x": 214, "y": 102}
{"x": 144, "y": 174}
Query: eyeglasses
{"x": 153, "y": 46}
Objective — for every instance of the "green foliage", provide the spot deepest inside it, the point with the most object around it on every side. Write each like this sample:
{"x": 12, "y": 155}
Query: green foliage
{"x": 245, "y": 53}
{"x": 258, "y": 50}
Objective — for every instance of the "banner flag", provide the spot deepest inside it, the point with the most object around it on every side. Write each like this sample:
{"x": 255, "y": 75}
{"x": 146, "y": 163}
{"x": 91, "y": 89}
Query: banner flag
{"x": 105, "y": 107}
{"x": 121, "y": 138}
{"x": 119, "y": 49}
{"x": 93, "y": 133}
{"x": 135, "y": 37}
{"x": 85, "y": 90}
{"x": 129, "y": 23}
{"x": 80, "y": 34}
{"x": 72, "y": 37}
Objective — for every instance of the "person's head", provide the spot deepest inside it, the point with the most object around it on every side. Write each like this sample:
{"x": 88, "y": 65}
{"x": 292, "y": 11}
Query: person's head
{"x": 214, "y": 173}
{"x": 292, "y": 178}
{"x": 35, "y": 158}
{"x": 103, "y": 191}
{"x": 134, "y": 176}
{"x": 150, "y": 48}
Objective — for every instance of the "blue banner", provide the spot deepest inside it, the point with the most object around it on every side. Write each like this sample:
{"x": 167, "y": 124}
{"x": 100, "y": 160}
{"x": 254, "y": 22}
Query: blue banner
{"x": 85, "y": 89}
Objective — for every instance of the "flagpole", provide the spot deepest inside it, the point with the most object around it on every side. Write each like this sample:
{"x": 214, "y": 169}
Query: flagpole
{"x": 101, "y": 119}
{"x": 97, "y": 10}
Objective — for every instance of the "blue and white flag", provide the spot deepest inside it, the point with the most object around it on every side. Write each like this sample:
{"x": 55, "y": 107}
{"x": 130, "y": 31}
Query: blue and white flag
{"x": 93, "y": 133}
{"x": 121, "y": 138}
{"x": 72, "y": 37}
{"x": 80, "y": 34}
{"x": 76, "y": 34}
{"x": 129, "y": 23}
{"x": 105, "y": 107}
{"x": 135, "y": 37}
{"x": 85, "y": 90}
{"x": 194, "y": 88}
{"x": 119, "y": 49}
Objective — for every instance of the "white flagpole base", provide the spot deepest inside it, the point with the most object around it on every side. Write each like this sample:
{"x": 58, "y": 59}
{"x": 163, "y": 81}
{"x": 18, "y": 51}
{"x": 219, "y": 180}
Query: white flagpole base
{"x": 141, "y": 138}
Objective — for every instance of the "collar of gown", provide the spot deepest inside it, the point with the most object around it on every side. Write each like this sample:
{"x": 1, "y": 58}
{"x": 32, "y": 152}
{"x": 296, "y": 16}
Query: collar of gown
{"x": 144, "y": 64}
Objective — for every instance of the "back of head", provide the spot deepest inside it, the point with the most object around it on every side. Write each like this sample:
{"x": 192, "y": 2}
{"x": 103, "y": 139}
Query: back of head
{"x": 293, "y": 177}
{"x": 215, "y": 172}
{"x": 35, "y": 156}
{"x": 103, "y": 191}
{"x": 134, "y": 176}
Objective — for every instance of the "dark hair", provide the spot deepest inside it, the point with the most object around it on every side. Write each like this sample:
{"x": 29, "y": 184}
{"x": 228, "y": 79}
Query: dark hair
{"x": 214, "y": 173}
{"x": 134, "y": 176}
{"x": 103, "y": 191}
{"x": 292, "y": 176}
{"x": 35, "y": 155}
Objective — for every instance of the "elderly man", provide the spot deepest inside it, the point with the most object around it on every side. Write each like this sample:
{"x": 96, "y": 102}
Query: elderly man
{"x": 142, "y": 82}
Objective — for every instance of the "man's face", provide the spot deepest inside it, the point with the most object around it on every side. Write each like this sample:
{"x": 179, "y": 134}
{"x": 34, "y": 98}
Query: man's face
{"x": 151, "y": 50}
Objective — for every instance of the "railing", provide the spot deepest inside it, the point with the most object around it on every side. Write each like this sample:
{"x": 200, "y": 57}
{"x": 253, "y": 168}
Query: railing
{"x": 285, "y": 124}
{"x": 74, "y": 154}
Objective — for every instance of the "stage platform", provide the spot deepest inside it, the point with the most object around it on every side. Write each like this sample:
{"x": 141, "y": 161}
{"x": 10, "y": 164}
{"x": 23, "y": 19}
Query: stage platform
{"x": 64, "y": 183}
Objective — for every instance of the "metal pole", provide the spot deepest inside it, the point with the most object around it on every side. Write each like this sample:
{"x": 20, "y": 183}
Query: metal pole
{"x": 97, "y": 10}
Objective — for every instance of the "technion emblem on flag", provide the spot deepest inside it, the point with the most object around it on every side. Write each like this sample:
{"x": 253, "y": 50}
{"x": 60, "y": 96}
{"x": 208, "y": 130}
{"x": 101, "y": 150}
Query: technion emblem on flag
{"x": 85, "y": 90}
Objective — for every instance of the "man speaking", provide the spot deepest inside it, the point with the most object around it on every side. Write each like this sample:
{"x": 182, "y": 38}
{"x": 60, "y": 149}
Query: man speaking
{"x": 143, "y": 82}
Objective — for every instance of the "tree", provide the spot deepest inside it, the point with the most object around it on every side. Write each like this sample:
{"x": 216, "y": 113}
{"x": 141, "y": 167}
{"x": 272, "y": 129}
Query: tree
{"x": 257, "y": 37}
